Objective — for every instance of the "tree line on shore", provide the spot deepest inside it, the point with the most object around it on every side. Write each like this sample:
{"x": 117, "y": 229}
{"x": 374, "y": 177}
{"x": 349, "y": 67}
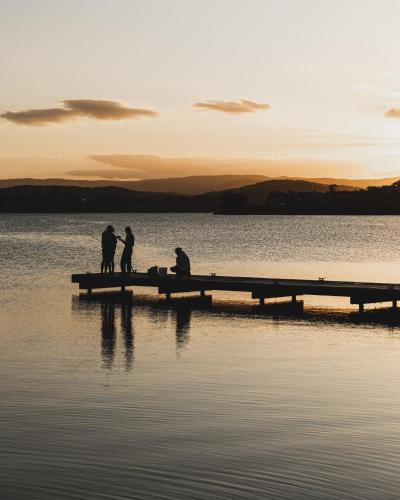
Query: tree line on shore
{"x": 58, "y": 199}
{"x": 372, "y": 200}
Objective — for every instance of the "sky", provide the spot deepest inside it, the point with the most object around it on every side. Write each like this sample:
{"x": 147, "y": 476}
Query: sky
{"x": 96, "y": 88}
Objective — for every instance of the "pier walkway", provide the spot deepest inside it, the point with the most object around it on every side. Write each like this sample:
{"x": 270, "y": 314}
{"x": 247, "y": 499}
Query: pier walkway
{"x": 260, "y": 288}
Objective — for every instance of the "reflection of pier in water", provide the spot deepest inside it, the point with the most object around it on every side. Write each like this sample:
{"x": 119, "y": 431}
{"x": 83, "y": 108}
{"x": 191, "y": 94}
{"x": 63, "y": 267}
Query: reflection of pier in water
{"x": 127, "y": 331}
{"x": 108, "y": 333}
{"x": 182, "y": 317}
{"x": 112, "y": 305}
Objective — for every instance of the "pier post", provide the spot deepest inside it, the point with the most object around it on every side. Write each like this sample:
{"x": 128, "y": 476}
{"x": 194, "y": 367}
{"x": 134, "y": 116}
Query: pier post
{"x": 294, "y": 299}
{"x": 122, "y": 288}
{"x": 168, "y": 296}
{"x": 262, "y": 301}
{"x": 202, "y": 293}
{"x": 89, "y": 291}
{"x": 394, "y": 304}
{"x": 360, "y": 308}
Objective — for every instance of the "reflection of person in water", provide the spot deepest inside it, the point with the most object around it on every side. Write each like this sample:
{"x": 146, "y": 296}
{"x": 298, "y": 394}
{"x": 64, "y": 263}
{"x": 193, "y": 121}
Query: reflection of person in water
{"x": 126, "y": 258}
{"x": 127, "y": 330}
{"x": 183, "y": 316}
{"x": 108, "y": 333}
{"x": 182, "y": 268}
{"x": 108, "y": 246}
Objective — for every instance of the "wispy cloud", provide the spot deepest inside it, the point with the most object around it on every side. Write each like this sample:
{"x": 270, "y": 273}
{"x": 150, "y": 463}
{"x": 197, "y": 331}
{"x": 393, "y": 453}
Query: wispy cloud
{"x": 105, "y": 110}
{"x": 233, "y": 107}
{"x": 393, "y": 113}
{"x": 77, "y": 108}
{"x": 39, "y": 116}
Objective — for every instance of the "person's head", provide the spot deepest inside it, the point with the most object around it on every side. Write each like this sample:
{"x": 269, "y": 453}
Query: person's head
{"x": 178, "y": 250}
{"x": 110, "y": 228}
{"x": 128, "y": 230}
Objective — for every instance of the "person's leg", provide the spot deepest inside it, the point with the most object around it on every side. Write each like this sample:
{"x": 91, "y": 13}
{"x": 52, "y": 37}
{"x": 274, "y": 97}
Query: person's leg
{"x": 106, "y": 262}
{"x": 177, "y": 271}
{"x": 129, "y": 263}
{"x": 124, "y": 261}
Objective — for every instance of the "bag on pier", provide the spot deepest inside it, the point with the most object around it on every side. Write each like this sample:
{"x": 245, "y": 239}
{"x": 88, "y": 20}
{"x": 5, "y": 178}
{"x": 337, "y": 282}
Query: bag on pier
{"x": 152, "y": 272}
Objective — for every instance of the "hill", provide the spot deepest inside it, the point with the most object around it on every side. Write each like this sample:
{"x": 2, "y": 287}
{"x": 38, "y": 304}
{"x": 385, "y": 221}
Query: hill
{"x": 359, "y": 183}
{"x": 198, "y": 184}
{"x": 257, "y": 193}
{"x": 58, "y": 199}
{"x": 383, "y": 200}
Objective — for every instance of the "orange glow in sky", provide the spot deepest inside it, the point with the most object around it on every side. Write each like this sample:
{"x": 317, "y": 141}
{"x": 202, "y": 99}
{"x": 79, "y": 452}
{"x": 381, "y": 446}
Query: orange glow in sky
{"x": 273, "y": 87}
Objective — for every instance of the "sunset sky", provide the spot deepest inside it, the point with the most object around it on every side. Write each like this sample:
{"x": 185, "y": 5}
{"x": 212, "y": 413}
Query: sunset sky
{"x": 274, "y": 87}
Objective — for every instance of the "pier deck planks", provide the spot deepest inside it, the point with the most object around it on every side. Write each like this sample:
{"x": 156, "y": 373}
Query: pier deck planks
{"x": 260, "y": 288}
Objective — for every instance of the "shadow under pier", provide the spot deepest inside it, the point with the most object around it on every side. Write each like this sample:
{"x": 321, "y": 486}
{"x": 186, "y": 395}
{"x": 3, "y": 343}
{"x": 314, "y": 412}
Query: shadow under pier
{"x": 282, "y": 310}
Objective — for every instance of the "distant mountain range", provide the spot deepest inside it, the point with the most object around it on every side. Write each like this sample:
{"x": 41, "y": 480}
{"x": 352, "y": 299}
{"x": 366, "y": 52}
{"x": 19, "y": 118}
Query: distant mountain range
{"x": 191, "y": 185}
{"x": 195, "y": 185}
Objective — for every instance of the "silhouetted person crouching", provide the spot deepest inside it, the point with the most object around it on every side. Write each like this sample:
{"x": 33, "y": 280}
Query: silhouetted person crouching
{"x": 126, "y": 257}
{"x": 182, "y": 268}
{"x": 108, "y": 246}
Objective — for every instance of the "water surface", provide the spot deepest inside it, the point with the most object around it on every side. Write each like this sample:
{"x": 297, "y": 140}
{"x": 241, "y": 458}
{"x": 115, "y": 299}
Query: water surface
{"x": 122, "y": 399}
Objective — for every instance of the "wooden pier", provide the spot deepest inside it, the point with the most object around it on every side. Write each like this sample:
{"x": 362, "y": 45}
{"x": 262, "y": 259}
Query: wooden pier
{"x": 260, "y": 288}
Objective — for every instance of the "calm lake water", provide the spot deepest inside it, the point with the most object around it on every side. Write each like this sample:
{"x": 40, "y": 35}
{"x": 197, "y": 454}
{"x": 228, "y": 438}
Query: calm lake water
{"x": 112, "y": 399}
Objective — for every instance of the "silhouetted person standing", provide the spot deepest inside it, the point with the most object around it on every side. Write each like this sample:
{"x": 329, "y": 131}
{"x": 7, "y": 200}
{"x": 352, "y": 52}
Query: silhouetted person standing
{"x": 182, "y": 268}
{"x": 108, "y": 246}
{"x": 126, "y": 257}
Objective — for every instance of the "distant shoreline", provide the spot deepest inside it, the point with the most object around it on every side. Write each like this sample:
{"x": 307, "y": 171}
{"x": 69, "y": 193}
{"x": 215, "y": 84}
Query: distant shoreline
{"x": 266, "y": 198}
{"x": 299, "y": 214}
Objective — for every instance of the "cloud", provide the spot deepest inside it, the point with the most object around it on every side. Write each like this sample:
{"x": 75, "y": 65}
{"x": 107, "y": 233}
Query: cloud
{"x": 74, "y": 109}
{"x": 393, "y": 113}
{"x": 39, "y": 116}
{"x": 104, "y": 109}
{"x": 233, "y": 107}
{"x": 104, "y": 173}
